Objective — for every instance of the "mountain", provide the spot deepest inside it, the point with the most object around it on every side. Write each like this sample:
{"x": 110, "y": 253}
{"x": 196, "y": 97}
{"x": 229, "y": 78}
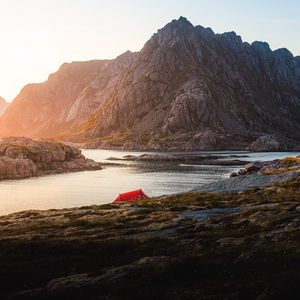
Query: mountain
{"x": 65, "y": 100}
{"x": 188, "y": 88}
{"x": 3, "y": 106}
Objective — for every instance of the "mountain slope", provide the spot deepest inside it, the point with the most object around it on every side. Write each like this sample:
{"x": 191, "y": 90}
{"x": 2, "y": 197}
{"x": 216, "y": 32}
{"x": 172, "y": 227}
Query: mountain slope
{"x": 3, "y": 106}
{"x": 193, "y": 89}
{"x": 65, "y": 100}
{"x": 188, "y": 88}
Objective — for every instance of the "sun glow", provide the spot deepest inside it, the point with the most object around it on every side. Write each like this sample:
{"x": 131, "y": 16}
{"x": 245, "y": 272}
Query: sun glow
{"x": 38, "y": 36}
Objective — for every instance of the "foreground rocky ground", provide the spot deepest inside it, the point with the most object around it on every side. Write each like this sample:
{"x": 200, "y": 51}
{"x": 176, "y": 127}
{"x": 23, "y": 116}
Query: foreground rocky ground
{"x": 193, "y": 246}
{"x": 23, "y": 157}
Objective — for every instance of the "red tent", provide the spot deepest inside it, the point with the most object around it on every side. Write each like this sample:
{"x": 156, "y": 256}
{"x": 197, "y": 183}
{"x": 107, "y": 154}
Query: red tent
{"x": 131, "y": 196}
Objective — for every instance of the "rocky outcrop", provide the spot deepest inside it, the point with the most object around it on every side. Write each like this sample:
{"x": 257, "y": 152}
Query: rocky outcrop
{"x": 3, "y": 106}
{"x": 24, "y": 157}
{"x": 188, "y": 88}
{"x": 268, "y": 143}
{"x": 16, "y": 168}
{"x": 246, "y": 182}
{"x": 145, "y": 269}
{"x": 257, "y": 175}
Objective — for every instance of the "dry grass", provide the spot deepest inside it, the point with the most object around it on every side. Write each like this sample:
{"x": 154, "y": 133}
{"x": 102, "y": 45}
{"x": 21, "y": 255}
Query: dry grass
{"x": 290, "y": 161}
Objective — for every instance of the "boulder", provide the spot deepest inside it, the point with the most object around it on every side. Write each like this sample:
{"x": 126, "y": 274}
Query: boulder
{"x": 267, "y": 143}
{"x": 253, "y": 166}
{"x": 16, "y": 168}
{"x": 233, "y": 174}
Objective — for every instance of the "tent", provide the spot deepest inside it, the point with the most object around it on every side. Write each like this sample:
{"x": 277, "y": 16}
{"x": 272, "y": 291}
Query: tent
{"x": 131, "y": 196}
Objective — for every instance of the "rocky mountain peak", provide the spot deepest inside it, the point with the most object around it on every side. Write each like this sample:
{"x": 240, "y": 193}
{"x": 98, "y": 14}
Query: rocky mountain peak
{"x": 176, "y": 29}
{"x": 283, "y": 53}
{"x": 261, "y": 46}
{"x": 188, "y": 88}
{"x": 181, "y": 22}
{"x": 205, "y": 33}
{"x": 127, "y": 57}
{"x": 232, "y": 36}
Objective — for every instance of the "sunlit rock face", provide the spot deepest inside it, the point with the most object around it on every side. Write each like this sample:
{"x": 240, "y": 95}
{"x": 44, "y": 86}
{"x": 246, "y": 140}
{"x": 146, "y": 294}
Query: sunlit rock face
{"x": 3, "y": 106}
{"x": 188, "y": 88}
{"x": 65, "y": 100}
{"x": 23, "y": 158}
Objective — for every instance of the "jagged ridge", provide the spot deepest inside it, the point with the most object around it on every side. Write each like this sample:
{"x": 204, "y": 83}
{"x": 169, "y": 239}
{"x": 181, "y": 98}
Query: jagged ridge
{"x": 188, "y": 88}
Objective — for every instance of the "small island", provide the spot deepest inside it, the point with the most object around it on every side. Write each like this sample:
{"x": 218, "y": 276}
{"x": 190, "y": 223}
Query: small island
{"x": 22, "y": 157}
{"x": 182, "y": 158}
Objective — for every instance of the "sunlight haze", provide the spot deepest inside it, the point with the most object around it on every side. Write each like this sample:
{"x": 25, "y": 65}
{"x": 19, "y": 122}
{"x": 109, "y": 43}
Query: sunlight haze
{"x": 38, "y": 36}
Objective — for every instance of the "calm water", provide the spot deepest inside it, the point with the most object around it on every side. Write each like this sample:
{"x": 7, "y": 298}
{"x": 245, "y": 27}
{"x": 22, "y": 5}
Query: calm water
{"x": 99, "y": 187}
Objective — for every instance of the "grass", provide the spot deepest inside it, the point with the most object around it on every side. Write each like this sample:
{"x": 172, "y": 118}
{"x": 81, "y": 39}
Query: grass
{"x": 284, "y": 165}
{"x": 290, "y": 161}
{"x": 281, "y": 192}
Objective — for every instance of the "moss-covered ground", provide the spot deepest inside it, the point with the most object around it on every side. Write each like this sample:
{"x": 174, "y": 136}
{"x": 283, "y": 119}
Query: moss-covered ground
{"x": 158, "y": 249}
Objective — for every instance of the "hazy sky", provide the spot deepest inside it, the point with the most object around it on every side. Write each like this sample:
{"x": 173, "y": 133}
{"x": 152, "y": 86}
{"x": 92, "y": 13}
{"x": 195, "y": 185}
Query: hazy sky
{"x": 37, "y": 36}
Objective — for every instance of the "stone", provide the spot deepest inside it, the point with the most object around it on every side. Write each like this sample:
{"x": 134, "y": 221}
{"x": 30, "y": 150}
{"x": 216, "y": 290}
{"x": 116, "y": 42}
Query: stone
{"x": 267, "y": 143}
{"x": 233, "y": 174}
{"x": 253, "y": 166}
{"x": 23, "y": 157}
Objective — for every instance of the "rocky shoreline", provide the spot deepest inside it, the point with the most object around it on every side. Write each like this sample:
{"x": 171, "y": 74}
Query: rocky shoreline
{"x": 23, "y": 158}
{"x": 202, "y": 142}
{"x": 257, "y": 175}
{"x": 238, "y": 245}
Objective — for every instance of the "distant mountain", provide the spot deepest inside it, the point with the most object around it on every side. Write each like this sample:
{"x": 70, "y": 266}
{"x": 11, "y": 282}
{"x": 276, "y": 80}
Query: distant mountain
{"x": 188, "y": 88}
{"x": 3, "y": 106}
{"x": 65, "y": 100}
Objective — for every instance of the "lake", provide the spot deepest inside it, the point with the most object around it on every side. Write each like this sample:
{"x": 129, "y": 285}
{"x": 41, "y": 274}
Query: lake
{"x": 100, "y": 187}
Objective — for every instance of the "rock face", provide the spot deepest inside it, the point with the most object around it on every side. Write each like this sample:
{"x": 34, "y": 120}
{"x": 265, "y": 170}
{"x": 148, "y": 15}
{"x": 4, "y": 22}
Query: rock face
{"x": 3, "y": 106}
{"x": 188, "y": 88}
{"x": 23, "y": 158}
{"x": 193, "y": 89}
{"x": 17, "y": 168}
{"x": 266, "y": 143}
{"x": 65, "y": 100}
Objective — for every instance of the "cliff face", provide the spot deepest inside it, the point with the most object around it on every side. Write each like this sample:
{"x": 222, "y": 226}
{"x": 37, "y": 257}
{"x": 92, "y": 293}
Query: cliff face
{"x": 193, "y": 89}
{"x": 188, "y": 88}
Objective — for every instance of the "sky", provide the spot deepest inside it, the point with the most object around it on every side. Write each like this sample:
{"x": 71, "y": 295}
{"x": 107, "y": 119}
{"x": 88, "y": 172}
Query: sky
{"x": 37, "y": 36}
